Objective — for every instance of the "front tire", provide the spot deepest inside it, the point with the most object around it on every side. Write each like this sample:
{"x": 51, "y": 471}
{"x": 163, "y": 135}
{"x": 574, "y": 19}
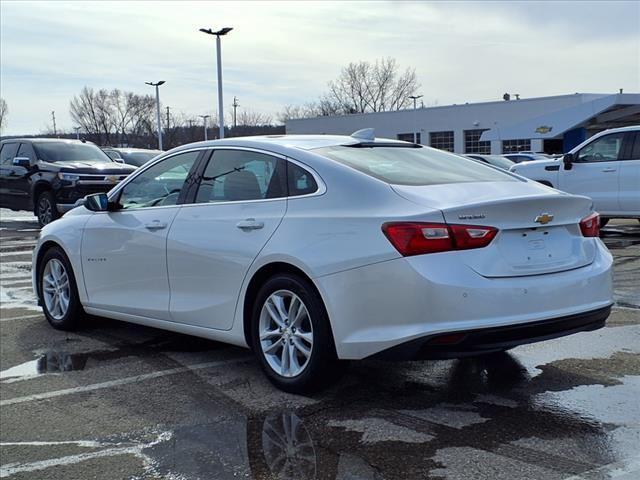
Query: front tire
{"x": 58, "y": 291}
{"x": 46, "y": 208}
{"x": 291, "y": 335}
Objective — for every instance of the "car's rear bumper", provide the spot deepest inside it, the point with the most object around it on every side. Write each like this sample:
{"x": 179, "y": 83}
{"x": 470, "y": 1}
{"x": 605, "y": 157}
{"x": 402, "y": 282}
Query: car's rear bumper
{"x": 489, "y": 340}
{"x": 380, "y": 306}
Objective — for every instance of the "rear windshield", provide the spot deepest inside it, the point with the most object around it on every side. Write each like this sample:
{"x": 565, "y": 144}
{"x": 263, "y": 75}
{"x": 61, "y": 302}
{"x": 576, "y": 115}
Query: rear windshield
{"x": 500, "y": 161}
{"x": 413, "y": 166}
{"x": 138, "y": 158}
{"x": 69, "y": 152}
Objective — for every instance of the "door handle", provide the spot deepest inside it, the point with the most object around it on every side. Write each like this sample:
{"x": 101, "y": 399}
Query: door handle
{"x": 607, "y": 170}
{"x": 249, "y": 224}
{"x": 155, "y": 225}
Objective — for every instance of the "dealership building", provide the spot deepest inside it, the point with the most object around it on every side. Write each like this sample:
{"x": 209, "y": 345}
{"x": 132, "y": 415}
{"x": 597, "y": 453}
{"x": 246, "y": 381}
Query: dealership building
{"x": 545, "y": 124}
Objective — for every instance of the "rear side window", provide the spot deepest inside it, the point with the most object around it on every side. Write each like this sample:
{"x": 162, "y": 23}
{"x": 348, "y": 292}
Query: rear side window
{"x": 239, "y": 175}
{"x": 300, "y": 181}
{"x": 8, "y": 153}
{"x": 414, "y": 166}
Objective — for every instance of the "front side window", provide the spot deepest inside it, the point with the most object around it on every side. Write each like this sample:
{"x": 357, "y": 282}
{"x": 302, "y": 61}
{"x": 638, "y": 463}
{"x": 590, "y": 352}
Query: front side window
{"x": 8, "y": 153}
{"x": 26, "y": 151}
{"x": 604, "y": 149}
{"x": 159, "y": 185}
{"x": 239, "y": 175}
{"x": 413, "y": 166}
{"x": 69, "y": 152}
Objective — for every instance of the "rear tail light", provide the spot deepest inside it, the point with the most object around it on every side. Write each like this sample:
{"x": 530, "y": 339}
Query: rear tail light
{"x": 590, "y": 226}
{"x": 417, "y": 238}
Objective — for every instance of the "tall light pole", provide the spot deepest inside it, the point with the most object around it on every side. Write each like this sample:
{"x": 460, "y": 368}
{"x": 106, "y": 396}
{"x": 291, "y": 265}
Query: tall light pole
{"x": 235, "y": 107}
{"x": 204, "y": 120}
{"x": 415, "y": 126}
{"x": 161, "y": 82}
{"x": 77, "y": 129}
{"x": 219, "y": 34}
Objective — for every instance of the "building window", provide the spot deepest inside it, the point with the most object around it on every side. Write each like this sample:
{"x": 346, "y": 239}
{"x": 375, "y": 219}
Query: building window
{"x": 408, "y": 137}
{"x": 472, "y": 143}
{"x": 512, "y": 146}
{"x": 442, "y": 140}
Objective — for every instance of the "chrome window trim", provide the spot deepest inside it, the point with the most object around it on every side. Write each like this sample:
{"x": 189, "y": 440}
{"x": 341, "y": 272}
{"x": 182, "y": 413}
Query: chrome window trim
{"x": 322, "y": 188}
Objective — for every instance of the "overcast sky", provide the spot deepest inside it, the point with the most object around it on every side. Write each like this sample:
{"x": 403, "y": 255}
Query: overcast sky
{"x": 285, "y": 52}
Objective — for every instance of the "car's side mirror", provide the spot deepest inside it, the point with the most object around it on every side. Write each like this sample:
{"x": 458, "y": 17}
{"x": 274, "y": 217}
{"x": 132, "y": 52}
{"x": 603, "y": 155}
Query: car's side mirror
{"x": 118, "y": 160}
{"x": 568, "y": 161}
{"x": 97, "y": 202}
{"x": 23, "y": 162}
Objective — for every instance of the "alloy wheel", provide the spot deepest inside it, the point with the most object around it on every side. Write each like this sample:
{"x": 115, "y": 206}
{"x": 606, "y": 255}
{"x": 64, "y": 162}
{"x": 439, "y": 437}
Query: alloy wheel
{"x": 286, "y": 333}
{"x": 45, "y": 211}
{"x": 56, "y": 290}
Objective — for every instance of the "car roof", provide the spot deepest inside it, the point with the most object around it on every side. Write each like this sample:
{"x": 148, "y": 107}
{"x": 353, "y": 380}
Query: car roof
{"x": 630, "y": 128}
{"x": 133, "y": 150}
{"x": 43, "y": 140}
{"x": 286, "y": 142}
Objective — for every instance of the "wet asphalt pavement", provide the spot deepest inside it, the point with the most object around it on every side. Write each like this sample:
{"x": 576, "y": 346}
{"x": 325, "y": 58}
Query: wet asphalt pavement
{"x": 123, "y": 401}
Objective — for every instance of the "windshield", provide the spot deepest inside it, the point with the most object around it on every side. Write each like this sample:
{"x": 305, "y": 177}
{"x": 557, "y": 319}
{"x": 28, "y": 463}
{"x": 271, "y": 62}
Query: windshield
{"x": 69, "y": 152}
{"x": 139, "y": 158}
{"x": 413, "y": 166}
{"x": 499, "y": 161}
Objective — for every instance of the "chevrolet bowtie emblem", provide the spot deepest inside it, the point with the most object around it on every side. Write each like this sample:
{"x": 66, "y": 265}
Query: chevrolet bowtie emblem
{"x": 544, "y": 218}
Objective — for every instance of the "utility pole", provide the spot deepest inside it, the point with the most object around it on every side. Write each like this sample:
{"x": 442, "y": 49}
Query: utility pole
{"x": 53, "y": 116}
{"x": 77, "y": 129}
{"x": 161, "y": 82}
{"x": 235, "y": 106}
{"x": 415, "y": 128}
{"x": 218, "y": 34}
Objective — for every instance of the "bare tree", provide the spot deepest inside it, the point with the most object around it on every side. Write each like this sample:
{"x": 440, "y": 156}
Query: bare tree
{"x": 361, "y": 87}
{"x": 372, "y": 87}
{"x": 113, "y": 117}
{"x": 4, "y": 110}
{"x": 250, "y": 118}
{"x": 322, "y": 107}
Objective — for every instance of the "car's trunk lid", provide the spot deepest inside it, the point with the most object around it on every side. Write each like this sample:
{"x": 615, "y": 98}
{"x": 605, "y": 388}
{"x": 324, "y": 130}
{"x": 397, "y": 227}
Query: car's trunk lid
{"x": 539, "y": 227}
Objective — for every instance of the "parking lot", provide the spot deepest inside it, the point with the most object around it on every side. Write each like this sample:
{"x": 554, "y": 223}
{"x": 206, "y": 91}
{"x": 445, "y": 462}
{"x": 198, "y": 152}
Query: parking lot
{"x": 123, "y": 401}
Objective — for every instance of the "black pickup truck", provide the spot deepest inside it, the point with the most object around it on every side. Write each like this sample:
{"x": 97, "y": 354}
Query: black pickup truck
{"x": 48, "y": 176}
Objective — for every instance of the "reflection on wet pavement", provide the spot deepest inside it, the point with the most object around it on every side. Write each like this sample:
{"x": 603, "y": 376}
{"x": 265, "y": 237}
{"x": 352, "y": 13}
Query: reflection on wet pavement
{"x": 474, "y": 418}
{"x": 50, "y": 362}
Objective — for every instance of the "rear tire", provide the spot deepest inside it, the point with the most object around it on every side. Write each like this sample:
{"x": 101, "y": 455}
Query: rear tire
{"x": 58, "y": 291}
{"x": 46, "y": 208}
{"x": 297, "y": 354}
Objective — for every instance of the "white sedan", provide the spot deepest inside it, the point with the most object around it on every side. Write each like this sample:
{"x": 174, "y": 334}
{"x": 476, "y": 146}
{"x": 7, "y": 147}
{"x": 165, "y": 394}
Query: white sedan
{"x": 316, "y": 249}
